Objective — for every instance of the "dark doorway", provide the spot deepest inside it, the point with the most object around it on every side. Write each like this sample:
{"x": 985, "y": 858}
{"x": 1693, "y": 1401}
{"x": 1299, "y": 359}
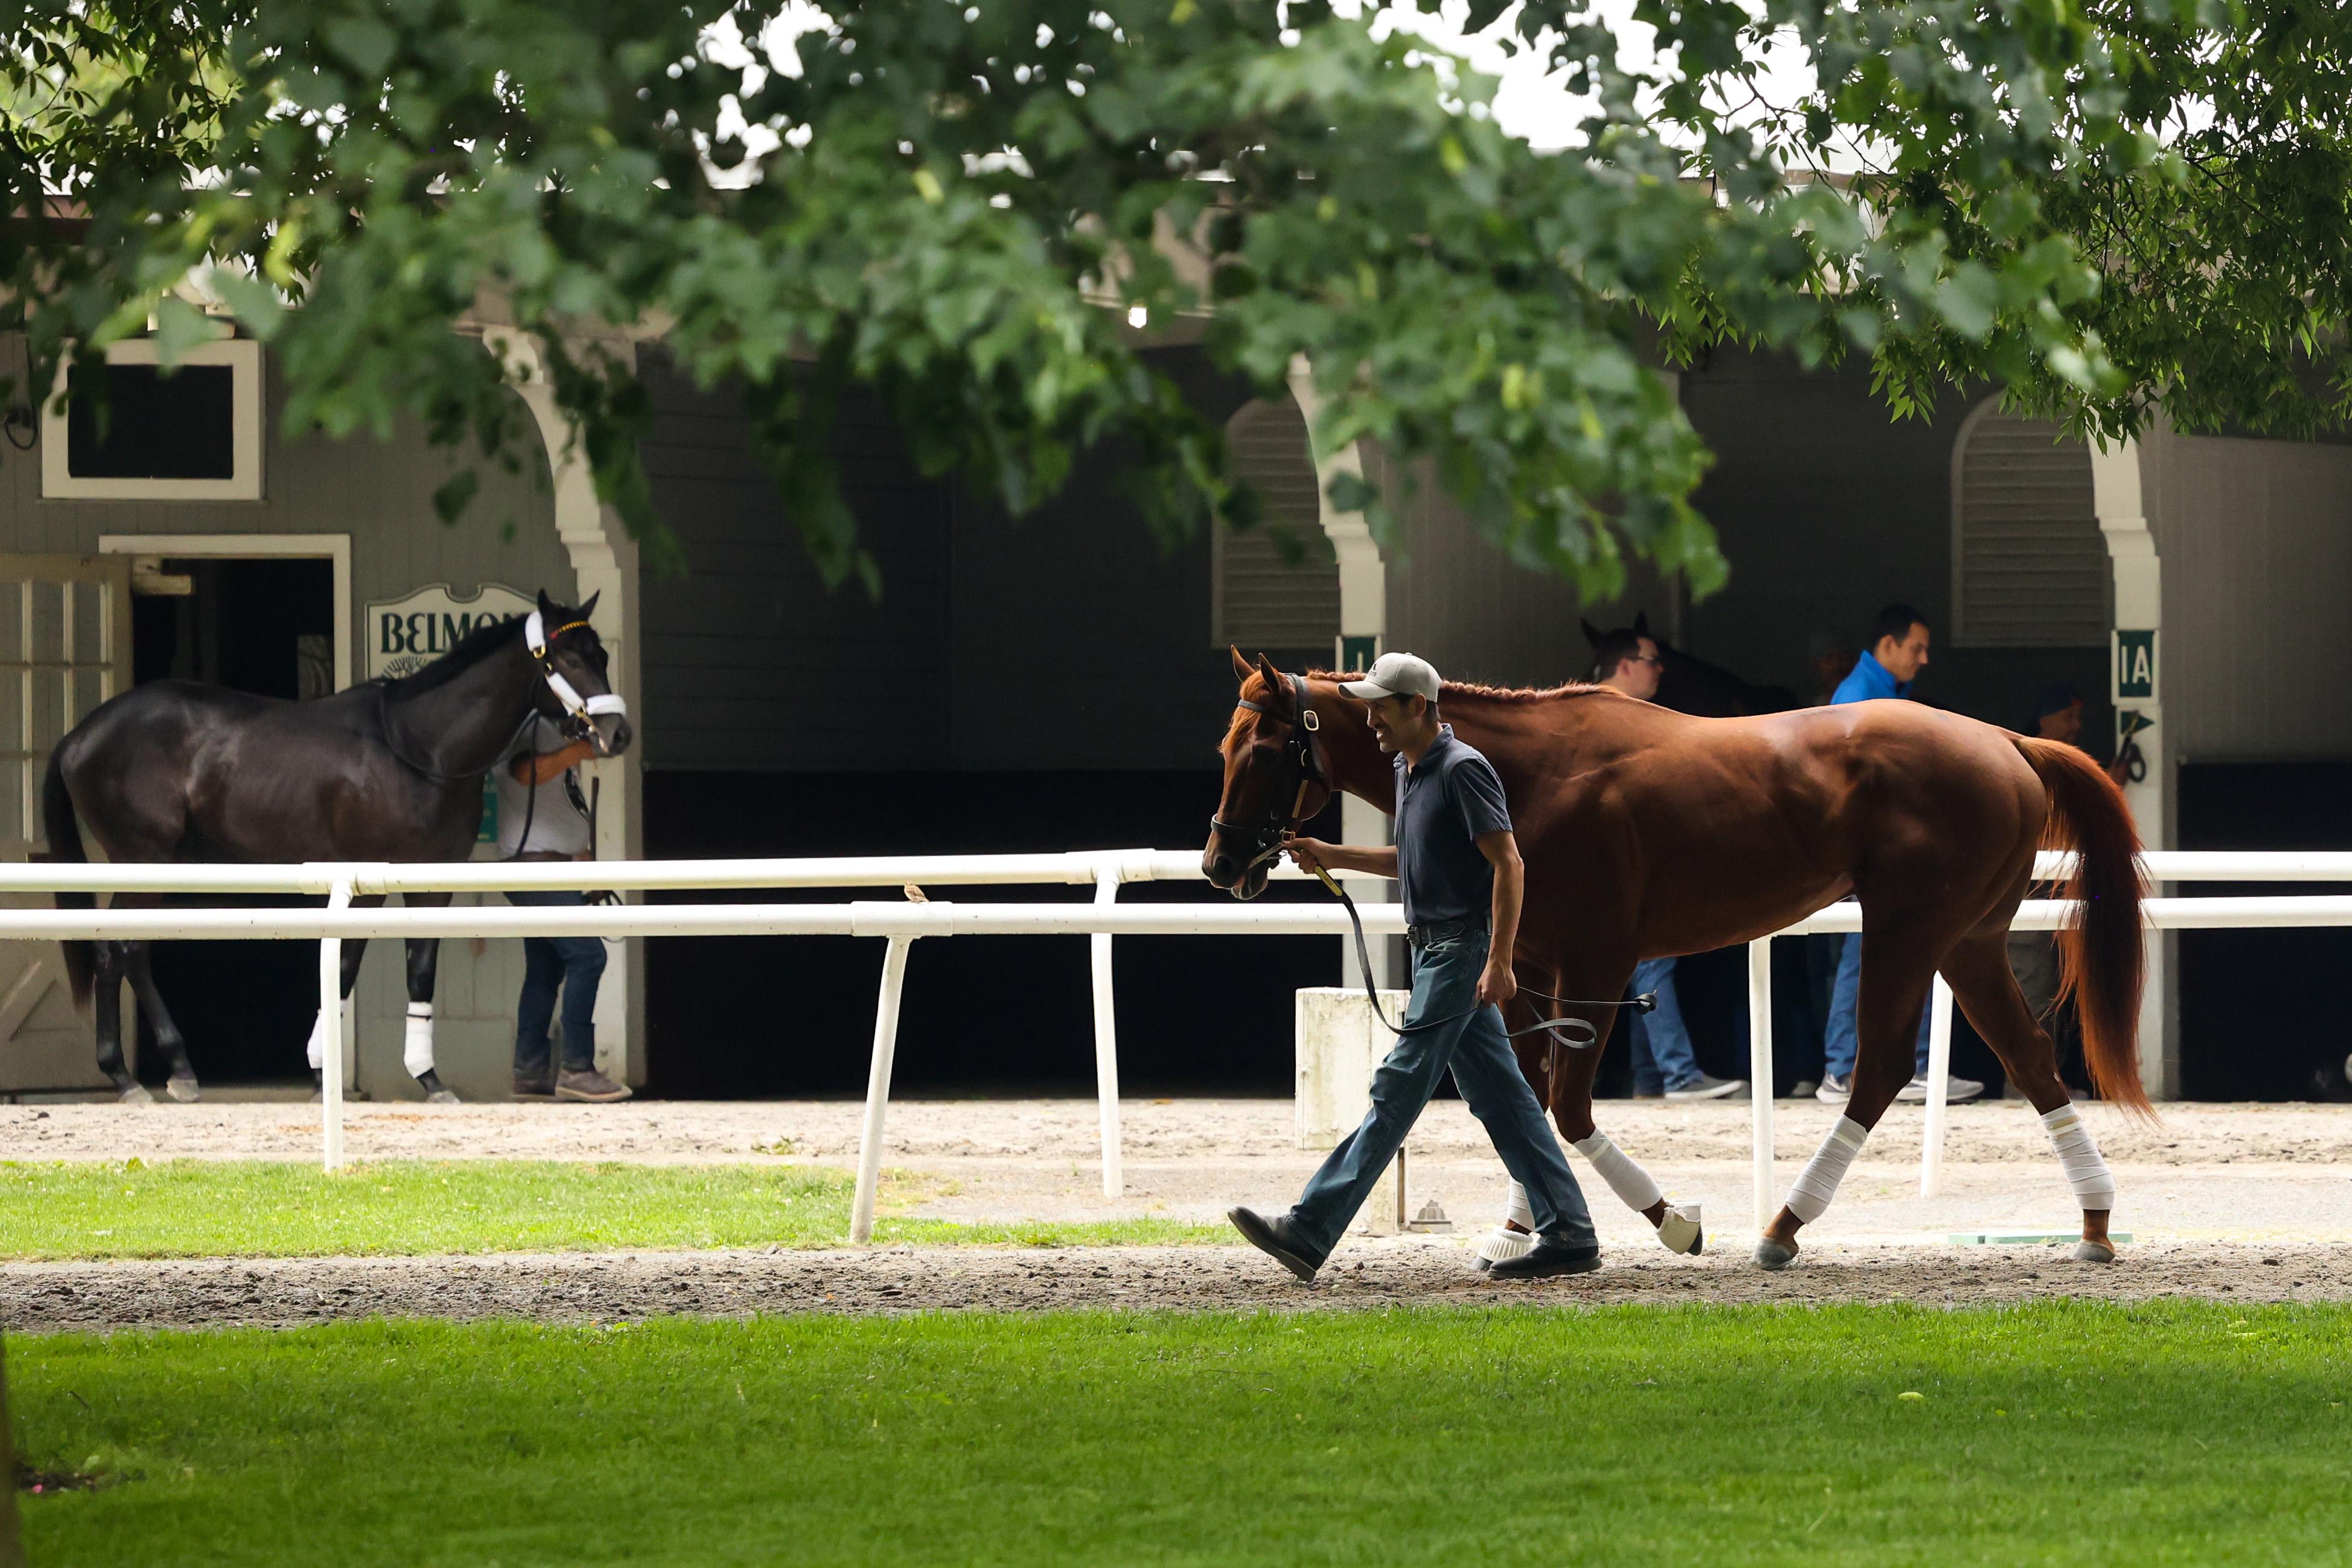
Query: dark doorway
{"x": 264, "y": 627}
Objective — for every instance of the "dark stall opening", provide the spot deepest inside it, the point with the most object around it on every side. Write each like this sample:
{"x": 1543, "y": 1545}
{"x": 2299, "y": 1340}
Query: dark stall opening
{"x": 2258, "y": 1017}
{"x": 758, "y": 1017}
{"x": 263, "y": 626}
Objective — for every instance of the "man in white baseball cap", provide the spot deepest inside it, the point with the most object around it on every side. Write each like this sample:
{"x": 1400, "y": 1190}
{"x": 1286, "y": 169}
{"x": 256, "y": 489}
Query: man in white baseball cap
{"x": 1459, "y": 866}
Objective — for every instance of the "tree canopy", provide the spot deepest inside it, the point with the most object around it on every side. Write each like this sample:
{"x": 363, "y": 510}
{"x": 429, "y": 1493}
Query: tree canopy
{"x": 2112, "y": 207}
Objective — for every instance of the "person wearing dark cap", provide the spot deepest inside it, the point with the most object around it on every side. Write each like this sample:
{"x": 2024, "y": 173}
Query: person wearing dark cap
{"x": 1459, "y": 866}
{"x": 2033, "y": 955}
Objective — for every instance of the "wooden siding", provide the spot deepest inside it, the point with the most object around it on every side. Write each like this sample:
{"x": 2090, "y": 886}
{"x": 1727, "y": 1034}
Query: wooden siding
{"x": 2256, "y": 542}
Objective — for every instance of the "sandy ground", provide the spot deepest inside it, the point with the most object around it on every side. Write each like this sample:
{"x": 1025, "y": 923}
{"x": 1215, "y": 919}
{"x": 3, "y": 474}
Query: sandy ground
{"x": 36, "y": 1298}
{"x": 2239, "y": 1202}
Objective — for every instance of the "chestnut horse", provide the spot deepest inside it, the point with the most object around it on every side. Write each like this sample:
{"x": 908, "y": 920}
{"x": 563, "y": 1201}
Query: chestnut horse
{"x": 1648, "y": 833}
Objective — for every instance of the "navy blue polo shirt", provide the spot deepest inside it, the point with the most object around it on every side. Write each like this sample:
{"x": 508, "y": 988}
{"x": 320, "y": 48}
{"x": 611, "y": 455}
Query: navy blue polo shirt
{"x": 1442, "y": 806}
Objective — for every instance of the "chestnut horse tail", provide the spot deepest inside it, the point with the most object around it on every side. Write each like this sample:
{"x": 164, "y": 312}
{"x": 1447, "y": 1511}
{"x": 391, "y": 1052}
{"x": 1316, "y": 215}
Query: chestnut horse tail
{"x": 64, "y": 847}
{"x": 2100, "y": 959}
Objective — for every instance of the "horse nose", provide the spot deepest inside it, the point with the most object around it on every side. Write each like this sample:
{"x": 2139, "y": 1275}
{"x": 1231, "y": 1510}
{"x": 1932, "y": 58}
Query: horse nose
{"x": 1220, "y": 868}
{"x": 617, "y": 741}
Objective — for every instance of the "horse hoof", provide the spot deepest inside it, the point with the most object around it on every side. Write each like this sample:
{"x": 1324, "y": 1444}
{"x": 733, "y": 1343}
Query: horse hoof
{"x": 1774, "y": 1256}
{"x": 2094, "y": 1252}
{"x": 441, "y": 1097}
{"x": 136, "y": 1095}
{"x": 183, "y": 1090}
{"x": 1499, "y": 1244}
{"x": 1680, "y": 1231}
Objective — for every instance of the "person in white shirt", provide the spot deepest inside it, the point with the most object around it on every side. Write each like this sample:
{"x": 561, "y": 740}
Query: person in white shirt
{"x": 542, "y": 815}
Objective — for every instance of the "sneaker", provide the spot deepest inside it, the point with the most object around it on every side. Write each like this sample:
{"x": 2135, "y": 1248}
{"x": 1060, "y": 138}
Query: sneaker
{"x": 1957, "y": 1090}
{"x": 534, "y": 1086}
{"x": 588, "y": 1084}
{"x": 1834, "y": 1090}
{"x": 1805, "y": 1089}
{"x": 1705, "y": 1088}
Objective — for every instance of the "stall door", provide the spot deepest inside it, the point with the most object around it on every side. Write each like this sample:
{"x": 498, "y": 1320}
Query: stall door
{"x": 65, "y": 648}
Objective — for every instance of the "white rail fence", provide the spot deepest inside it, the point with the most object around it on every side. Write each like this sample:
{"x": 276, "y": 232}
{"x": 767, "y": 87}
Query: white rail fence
{"x": 901, "y": 923}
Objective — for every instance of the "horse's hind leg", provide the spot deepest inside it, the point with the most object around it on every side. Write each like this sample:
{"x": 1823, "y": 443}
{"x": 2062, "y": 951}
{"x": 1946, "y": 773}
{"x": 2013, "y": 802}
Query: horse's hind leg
{"x": 1987, "y": 991}
{"x": 424, "y": 966}
{"x": 108, "y": 967}
{"x": 182, "y": 1085}
{"x": 136, "y": 961}
{"x": 1898, "y": 963}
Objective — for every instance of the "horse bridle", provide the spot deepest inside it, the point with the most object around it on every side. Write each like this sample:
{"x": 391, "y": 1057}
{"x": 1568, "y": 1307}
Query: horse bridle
{"x": 1300, "y": 747}
{"x": 582, "y": 711}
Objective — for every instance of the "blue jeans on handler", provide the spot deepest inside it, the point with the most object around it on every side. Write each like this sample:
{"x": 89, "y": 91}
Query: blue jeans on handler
{"x": 575, "y": 964}
{"x": 1470, "y": 1041}
{"x": 1839, "y": 1044}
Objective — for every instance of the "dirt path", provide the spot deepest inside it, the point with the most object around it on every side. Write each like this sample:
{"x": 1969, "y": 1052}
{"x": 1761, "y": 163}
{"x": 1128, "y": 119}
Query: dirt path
{"x": 38, "y": 1297}
{"x": 917, "y": 1130}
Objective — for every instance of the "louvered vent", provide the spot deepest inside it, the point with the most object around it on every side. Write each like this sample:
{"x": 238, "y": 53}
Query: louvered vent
{"x": 2030, "y": 567}
{"x": 1258, "y": 599}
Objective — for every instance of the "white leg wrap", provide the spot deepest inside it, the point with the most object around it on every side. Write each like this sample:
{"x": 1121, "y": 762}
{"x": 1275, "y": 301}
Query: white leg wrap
{"x": 318, "y": 1046}
{"x": 1817, "y": 1184}
{"x": 416, "y": 1050}
{"x": 2078, "y": 1155}
{"x": 1520, "y": 1212}
{"x": 1632, "y": 1184}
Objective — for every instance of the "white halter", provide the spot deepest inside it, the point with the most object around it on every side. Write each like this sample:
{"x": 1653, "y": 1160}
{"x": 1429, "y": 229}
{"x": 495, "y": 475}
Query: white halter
{"x": 585, "y": 709}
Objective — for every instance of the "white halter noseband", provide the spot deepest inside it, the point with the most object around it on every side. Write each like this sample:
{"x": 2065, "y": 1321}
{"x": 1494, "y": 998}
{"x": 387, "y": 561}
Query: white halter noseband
{"x": 585, "y": 709}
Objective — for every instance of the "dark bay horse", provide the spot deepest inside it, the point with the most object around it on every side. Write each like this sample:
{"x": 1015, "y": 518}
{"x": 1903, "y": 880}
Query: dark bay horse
{"x": 1648, "y": 834}
{"x": 390, "y": 769}
{"x": 1688, "y": 684}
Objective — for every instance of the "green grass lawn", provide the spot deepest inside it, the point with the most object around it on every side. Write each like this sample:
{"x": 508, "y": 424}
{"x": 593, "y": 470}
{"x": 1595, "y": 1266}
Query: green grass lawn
{"x": 2059, "y": 1433}
{"x": 199, "y": 1208}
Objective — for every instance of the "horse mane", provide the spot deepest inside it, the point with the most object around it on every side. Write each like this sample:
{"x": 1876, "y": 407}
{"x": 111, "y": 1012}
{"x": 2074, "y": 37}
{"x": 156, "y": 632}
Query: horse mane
{"x": 477, "y": 646}
{"x": 1472, "y": 691}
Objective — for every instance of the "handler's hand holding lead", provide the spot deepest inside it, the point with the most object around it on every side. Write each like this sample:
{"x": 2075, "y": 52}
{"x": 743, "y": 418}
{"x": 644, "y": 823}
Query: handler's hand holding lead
{"x": 1310, "y": 853}
{"x": 1497, "y": 984}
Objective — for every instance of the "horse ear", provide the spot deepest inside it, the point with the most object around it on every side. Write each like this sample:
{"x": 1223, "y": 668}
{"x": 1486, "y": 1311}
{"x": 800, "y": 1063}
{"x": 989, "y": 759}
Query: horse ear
{"x": 588, "y": 610}
{"x": 1591, "y": 633}
{"x": 1241, "y": 665}
{"x": 546, "y": 605}
{"x": 1642, "y": 625}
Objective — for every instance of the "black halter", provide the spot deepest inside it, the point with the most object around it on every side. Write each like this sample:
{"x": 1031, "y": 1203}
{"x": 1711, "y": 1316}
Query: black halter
{"x": 1300, "y": 747}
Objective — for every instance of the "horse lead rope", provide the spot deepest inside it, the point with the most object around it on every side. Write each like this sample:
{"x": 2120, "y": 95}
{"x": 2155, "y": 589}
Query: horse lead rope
{"x": 1576, "y": 1034}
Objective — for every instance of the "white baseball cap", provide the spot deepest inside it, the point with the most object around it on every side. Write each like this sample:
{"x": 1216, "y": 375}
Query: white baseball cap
{"x": 1395, "y": 675}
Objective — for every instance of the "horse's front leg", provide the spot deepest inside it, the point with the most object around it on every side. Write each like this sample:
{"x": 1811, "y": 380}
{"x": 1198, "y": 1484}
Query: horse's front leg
{"x": 424, "y": 965}
{"x": 1562, "y": 1076}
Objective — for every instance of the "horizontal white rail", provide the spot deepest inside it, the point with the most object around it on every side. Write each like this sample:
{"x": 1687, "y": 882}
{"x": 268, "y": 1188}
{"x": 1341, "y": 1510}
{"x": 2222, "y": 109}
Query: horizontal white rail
{"x": 878, "y": 917}
{"x": 1078, "y": 868}
{"x": 317, "y": 878}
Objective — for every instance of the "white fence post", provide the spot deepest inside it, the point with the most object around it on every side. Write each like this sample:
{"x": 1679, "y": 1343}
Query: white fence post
{"x": 877, "y": 1089}
{"x": 1107, "y": 876}
{"x": 330, "y": 1017}
{"x": 1759, "y": 1072}
{"x": 1939, "y": 1079}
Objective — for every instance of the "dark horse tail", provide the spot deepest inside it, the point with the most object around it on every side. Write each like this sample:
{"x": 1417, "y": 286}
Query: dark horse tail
{"x": 64, "y": 847}
{"x": 2099, "y": 952}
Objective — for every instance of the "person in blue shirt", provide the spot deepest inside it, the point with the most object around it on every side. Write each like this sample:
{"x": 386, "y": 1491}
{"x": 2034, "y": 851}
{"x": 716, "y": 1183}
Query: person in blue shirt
{"x": 1458, "y": 865}
{"x": 1897, "y": 653}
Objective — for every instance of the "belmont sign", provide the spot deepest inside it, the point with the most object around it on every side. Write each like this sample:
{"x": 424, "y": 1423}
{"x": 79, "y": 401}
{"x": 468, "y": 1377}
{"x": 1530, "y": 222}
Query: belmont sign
{"x": 404, "y": 634}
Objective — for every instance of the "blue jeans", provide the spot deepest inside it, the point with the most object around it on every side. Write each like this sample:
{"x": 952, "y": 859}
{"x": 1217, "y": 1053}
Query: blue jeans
{"x": 1663, "y": 1057}
{"x": 1471, "y": 1040}
{"x": 575, "y": 964}
{"x": 1838, "y": 1044}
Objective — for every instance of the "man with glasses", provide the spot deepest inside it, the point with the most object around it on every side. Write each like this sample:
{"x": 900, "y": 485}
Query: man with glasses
{"x": 1664, "y": 1061}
